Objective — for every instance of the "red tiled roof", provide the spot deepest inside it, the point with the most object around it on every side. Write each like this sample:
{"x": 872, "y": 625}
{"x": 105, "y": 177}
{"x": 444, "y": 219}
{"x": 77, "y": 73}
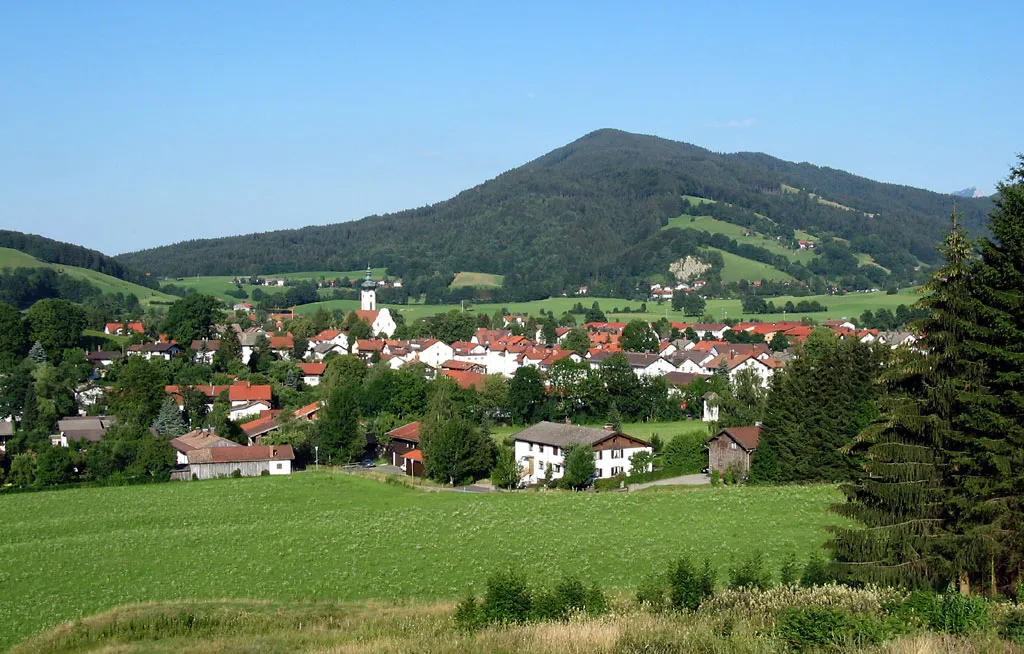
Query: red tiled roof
{"x": 307, "y": 410}
{"x": 326, "y": 335}
{"x": 465, "y": 379}
{"x": 310, "y": 369}
{"x": 452, "y": 364}
{"x": 409, "y": 432}
{"x": 285, "y": 342}
{"x": 261, "y": 425}
{"x": 242, "y": 454}
{"x": 414, "y": 455}
{"x": 365, "y": 344}
{"x": 247, "y": 392}
{"x": 368, "y": 316}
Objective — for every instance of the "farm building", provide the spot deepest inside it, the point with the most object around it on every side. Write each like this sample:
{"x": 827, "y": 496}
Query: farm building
{"x": 734, "y": 448}
{"x": 401, "y": 441}
{"x": 249, "y": 461}
{"x": 544, "y": 445}
{"x": 199, "y": 439}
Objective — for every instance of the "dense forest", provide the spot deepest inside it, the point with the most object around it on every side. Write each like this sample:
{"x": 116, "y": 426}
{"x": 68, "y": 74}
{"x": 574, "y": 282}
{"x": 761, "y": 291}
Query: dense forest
{"x": 51, "y": 251}
{"x": 593, "y": 212}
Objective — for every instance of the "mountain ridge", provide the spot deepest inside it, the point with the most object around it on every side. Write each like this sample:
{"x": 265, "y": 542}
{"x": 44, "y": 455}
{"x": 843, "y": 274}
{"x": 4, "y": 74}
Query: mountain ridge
{"x": 569, "y": 216}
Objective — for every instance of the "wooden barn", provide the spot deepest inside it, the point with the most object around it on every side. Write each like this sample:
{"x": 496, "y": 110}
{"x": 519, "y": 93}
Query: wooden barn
{"x": 733, "y": 447}
{"x": 251, "y": 461}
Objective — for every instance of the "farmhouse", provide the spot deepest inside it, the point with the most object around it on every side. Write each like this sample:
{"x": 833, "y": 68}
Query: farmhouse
{"x": 204, "y": 350}
{"x": 249, "y": 461}
{"x": 312, "y": 373}
{"x": 733, "y": 448}
{"x": 123, "y": 329}
{"x": 78, "y": 429}
{"x": 198, "y": 440}
{"x": 401, "y": 441}
{"x": 164, "y": 351}
{"x": 544, "y": 445}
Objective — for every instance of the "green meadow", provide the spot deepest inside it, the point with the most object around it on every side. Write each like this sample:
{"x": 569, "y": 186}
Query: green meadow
{"x": 851, "y": 305}
{"x": 10, "y": 258}
{"x": 327, "y": 537}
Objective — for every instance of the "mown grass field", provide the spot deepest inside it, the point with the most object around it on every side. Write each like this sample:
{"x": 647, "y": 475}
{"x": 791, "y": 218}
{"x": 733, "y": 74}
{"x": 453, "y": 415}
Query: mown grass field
{"x": 851, "y": 305}
{"x": 735, "y": 232}
{"x": 218, "y": 286}
{"x": 739, "y": 268}
{"x": 477, "y": 280}
{"x": 327, "y": 537}
{"x": 10, "y": 258}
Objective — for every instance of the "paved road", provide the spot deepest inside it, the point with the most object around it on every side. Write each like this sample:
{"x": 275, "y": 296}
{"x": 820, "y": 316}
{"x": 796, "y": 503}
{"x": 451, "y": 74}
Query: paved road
{"x": 685, "y": 480}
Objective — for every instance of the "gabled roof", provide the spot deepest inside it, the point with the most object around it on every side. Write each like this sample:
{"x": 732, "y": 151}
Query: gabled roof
{"x": 563, "y": 435}
{"x": 414, "y": 455}
{"x": 312, "y": 369}
{"x": 200, "y": 439}
{"x": 285, "y": 342}
{"x": 682, "y": 378}
{"x": 205, "y": 344}
{"x": 242, "y": 454}
{"x": 247, "y": 392}
{"x": 267, "y": 422}
{"x": 409, "y": 432}
{"x": 745, "y": 437}
{"x": 465, "y": 378}
{"x": 368, "y": 345}
{"x": 368, "y": 316}
{"x": 308, "y": 410}
{"x": 326, "y": 335}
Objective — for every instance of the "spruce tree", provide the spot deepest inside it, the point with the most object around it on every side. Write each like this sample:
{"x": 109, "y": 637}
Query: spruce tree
{"x": 37, "y": 353}
{"x": 169, "y": 422}
{"x": 989, "y": 471}
{"x": 905, "y": 503}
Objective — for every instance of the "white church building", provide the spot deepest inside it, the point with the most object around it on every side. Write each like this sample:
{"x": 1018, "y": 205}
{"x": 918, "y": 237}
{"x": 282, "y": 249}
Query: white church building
{"x": 381, "y": 320}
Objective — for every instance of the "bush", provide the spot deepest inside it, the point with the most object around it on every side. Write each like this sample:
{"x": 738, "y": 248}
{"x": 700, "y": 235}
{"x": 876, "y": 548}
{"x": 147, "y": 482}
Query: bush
{"x": 750, "y": 573}
{"x": 264, "y": 473}
{"x": 545, "y": 605}
{"x": 571, "y": 594}
{"x": 507, "y": 599}
{"x": 707, "y": 580}
{"x": 597, "y": 602}
{"x": 958, "y": 614}
{"x": 716, "y": 478}
{"x": 1011, "y": 627}
{"x": 651, "y": 593}
{"x": 813, "y": 626}
{"x": 684, "y": 587}
{"x": 788, "y": 572}
{"x": 815, "y": 573}
{"x": 236, "y": 473}
{"x": 469, "y": 614}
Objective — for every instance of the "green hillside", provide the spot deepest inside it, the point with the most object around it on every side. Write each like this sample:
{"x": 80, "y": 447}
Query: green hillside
{"x": 477, "y": 280}
{"x": 592, "y": 213}
{"x": 16, "y": 259}
{"x": 738, "y": 234}
{"x": 738, "y": 268}
{"x": 219, "y": 285}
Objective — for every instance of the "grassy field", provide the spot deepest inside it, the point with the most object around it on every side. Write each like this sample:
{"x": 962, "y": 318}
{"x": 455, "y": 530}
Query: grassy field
{"x": 218, "y": 286}
{"x": 738, "y": 268}
{"x": 477, "y": 280}
{"x": 850, "y": 305}
{"x": 10, "y": 258}
{"x": 736, "y": 232}
{"x": 327, "y": 537}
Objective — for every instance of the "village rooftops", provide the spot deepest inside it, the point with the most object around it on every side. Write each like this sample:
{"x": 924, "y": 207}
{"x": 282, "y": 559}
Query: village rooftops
{"x": 89, "y": 428}
{"x": 564, "y": 435}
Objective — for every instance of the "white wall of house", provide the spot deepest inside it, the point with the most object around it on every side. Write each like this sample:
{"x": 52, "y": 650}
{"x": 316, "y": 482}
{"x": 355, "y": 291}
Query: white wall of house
{"x": 436, "y": 354}
{"x": 311, "y": 380}
{"x": 384, "y": 323}
{"x": 657, "y": 369}
{"x": 710, "y": 413}
{"x": 282, "y": 467}
{"x": 533, "y": 459}
{"x": 242, "y": 411}
{"x": 763, "y": 372}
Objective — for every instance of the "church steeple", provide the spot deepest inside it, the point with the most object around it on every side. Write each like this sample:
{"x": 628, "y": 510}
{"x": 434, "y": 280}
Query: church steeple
{"x": 368, "y": 294}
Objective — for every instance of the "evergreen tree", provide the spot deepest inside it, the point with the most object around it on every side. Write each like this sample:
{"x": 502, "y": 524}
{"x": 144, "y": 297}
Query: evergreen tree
{"x": 905, "y": 501}
{"x": 36, "y": 353}
{"x": 614, "y": 417}
{"x": 230, "y": 350}
{"x": 169, "y": 422}
{"x": 338, "y": 433}
{"x": 989, "y": 466}
{"x": 30, "y": 418}
{"x": 506, "y": 472}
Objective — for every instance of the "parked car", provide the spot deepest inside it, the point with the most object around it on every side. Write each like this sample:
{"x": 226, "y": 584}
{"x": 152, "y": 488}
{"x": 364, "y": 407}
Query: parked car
{"x": 368, "y": 463}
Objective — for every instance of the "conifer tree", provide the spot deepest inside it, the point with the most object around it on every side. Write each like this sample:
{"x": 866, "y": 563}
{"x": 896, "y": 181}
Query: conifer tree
{"x": 905, "y": 501}
{"x": 37, "y": 353}
{"x": 169, "y": 422}
{"x": 989, "y": 471}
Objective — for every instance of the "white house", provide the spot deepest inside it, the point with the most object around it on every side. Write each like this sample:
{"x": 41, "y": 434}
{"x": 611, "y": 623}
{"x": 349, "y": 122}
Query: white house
{"x": 312, "y": 373}
{"x": 710, "y": 413}
{"x": 432, "y": 351}
{"x": 197, "y": 440}
{"x": 248, "y": 410}
{"x": 544, "y": 445}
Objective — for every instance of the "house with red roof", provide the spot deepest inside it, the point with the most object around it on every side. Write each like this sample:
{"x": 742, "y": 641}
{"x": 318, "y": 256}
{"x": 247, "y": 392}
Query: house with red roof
{"x": 466, "y": 379}
{"x": 123, "y": 328}
{"x": 312, "y": 373}
{"x": 243, "y": 392}
{"x": 400, "y": 441}
{"x": 248, "y": 461}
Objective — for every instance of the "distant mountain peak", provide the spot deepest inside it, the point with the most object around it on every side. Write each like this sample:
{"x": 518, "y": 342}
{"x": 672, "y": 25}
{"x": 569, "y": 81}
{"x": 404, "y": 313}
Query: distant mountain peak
{"x": 969, "y": 192}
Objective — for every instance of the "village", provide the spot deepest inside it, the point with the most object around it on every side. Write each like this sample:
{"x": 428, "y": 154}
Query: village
{"x": 697, "y": 353}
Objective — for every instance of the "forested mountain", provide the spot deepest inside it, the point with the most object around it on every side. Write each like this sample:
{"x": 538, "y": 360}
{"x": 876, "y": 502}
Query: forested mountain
{"x": 593, "y": 212}
{"x": 68, "y": 254}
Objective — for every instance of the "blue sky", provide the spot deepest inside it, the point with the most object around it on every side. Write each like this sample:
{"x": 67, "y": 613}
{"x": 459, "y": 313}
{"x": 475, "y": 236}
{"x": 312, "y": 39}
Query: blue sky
{"x": 128, "y": 124}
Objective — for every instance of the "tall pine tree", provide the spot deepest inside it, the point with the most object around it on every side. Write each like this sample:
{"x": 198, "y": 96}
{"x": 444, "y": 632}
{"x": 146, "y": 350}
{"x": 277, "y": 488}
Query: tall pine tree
{"x": 905, "y": 503}
{"x": 989, "y": 472}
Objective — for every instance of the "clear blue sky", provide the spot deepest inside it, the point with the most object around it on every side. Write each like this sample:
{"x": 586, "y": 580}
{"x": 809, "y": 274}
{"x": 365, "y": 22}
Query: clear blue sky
{"x": 131, "y": 124}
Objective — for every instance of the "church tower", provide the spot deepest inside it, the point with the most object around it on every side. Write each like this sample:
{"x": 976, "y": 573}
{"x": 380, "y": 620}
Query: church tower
{"x": 368, "y": 294}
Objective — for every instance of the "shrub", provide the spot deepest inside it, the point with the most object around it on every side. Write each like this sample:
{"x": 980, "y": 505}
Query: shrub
{"x": 236, "y": 473}
{"x": 1011, "y": 627}
{"x": 716, "y": 477}
{"x": 545, "y": 605}
{"x": 507, "y": 598}
{"x": 813, "y": 626}
{"x": 815, "y": 573}
{"x": 959, "y": 614}
{"x": 651, "y": 593}
{"x": 707, "y": 580}
{"x": 468, "y": 613}
{"x": 788, "y": 572}
{"x": 684, "y": 591}
{"x": 571, "y": 594}
{"x": 750, "y": 573}
{"x": 597, "y": 602}
{"x": 264, "y": 473}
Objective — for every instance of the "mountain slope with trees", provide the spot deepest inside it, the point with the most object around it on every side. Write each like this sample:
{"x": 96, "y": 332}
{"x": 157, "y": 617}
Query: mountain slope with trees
{"x": 592, "y": 213}
{"x": 68, "y": 254}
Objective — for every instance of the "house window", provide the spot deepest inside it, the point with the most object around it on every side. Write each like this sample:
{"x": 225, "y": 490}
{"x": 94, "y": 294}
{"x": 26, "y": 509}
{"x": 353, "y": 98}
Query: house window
{"x": 616, "y": 454}
{"x": 554, "y": 450}
{"x": 280, "y": 466}
{"x": 732, "y": 446}
{"x": 598, "y": 455}
{"x": 598, "y": 472}
{"x": 616, "y": 470}
{"x": 557, "y": 468}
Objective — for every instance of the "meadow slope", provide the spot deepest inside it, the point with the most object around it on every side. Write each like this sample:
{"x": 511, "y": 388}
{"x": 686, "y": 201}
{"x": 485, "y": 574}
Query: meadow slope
{"x": 330, "y": 537}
